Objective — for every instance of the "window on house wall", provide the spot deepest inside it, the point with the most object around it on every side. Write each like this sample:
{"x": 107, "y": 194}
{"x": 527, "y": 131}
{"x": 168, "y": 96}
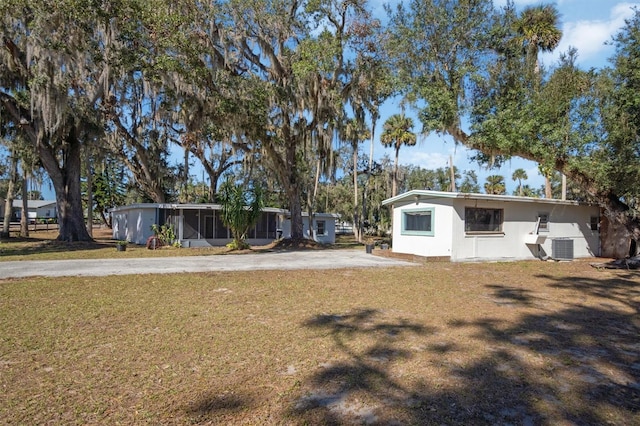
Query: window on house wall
{"x": 417, "y": 222}
{"x": 483, "y": 220}
{"x": 321, "y": 227}
{"x": 543, "y": 222}
{"x": 594, "y": 223}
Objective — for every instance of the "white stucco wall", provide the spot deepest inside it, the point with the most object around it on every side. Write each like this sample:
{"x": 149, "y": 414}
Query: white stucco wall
{"x": 119, "y": 225}
{"x": 134, "y": 224}
{"x": 438, "y": 245}
{"x": 329, "y": 236}
{"x": 449, "y": 239}
{"x": 140, "y": 221}
{"x": 565, "y": 221}
{"x": 46, "y": 212}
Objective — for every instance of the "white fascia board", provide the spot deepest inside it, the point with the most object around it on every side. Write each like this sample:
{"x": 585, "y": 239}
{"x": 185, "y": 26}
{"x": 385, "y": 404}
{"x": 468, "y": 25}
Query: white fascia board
{"x": 425, "y": 195}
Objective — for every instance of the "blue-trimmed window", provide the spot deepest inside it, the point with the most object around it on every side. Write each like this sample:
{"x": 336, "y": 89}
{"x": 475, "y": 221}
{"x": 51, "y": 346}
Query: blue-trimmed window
{"x": 418, "y": 221}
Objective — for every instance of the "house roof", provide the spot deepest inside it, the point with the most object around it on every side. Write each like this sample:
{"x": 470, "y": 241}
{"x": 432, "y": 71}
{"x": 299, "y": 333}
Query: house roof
{"x": 34, "y": 204}
{"x": 186, "y": 206}
{"x": 425, "y": 195}
{"x": 209, "y": 206}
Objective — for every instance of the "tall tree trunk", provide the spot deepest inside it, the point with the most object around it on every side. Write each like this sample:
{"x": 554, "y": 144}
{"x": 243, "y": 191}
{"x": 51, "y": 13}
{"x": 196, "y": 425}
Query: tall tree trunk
{"x": 24, "y": 217}
{"x": 365, "y": 190}
{"x": 548, "y": 193}
{"x": 89, "y": 196}
{"x": 295, "y": 209}
{"x": 8, "y": 204}
{"x": 66, "y": 183}
{"x": 394, "y": 184}
{"x": 452, "y": 172}
{"x": 288, "y": 170}
{"x": 311, "y": 200}
{"x": 316, "y": 182}
{"x": 357, "y": 223}
{"x": 283, "y": 159}
{"x": 185, "y": 181}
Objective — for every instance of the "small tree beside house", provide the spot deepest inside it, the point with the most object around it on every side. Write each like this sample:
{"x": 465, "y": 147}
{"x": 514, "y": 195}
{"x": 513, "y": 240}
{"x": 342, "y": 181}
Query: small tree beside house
{"x": 241, "y": 207}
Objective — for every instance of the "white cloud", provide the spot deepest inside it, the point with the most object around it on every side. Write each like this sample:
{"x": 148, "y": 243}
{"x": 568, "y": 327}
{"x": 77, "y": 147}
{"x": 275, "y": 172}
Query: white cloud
{"x": 590, "y": 36}
{"x": 436, "y": 153}
{"x": 423, "y": 158}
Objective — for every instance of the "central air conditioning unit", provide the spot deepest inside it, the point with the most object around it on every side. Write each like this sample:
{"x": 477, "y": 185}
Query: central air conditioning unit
{"x": 562, "y": 249}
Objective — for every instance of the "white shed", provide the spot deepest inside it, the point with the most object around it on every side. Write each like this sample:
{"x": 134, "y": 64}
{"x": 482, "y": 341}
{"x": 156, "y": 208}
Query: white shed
{"x": 40, "y": 209}
{"x": 474, "y": 227}
{"x": 324, "y": 227}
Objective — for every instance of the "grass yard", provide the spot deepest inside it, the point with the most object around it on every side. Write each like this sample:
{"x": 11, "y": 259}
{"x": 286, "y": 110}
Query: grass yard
{"x": 496, "y": 343}
{"x": 41, "y": 245}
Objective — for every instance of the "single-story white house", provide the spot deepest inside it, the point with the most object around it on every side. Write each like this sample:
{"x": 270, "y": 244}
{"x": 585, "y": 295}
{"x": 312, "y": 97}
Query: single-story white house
{"x": 481, "y": 227}
{"x": 200, "y": 225}
{"x": 37, "y": 209}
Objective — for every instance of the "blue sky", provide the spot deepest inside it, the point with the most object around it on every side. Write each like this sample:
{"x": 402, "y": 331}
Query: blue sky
{"x": 586, "y": 25}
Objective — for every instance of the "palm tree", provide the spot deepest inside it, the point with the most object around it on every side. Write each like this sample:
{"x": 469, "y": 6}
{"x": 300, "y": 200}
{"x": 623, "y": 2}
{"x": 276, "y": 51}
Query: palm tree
{"x": 494, "y": 185}
{"x": 397, "y": 132}
{"x": 519, "y": 175}
{"x": 241, "y": 208}
{"x": 538, "y": 31}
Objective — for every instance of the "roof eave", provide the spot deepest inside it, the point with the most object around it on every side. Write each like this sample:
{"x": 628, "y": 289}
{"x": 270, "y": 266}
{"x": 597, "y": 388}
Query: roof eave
{"x": 424, "y": 195}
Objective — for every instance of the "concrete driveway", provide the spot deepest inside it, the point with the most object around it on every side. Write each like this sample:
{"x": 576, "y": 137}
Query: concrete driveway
{"x": 312, "y": 259}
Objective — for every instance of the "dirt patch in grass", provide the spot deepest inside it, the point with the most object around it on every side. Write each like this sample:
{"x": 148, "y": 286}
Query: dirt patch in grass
{"x": 296, "y": 244}
{"x": 439, "y": 343}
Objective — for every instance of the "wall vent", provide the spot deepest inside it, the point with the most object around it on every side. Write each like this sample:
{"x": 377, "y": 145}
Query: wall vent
{"x": 562, "y": 249}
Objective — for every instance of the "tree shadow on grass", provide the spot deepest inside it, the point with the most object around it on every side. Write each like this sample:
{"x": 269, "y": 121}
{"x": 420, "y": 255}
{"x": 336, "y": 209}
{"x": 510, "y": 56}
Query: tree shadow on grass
{"x": 34, "y": 245}
{"x": 209, "y": 406}
{"x": 364, "y": 388}
{"x": 512, "y": 296}
{"x": 579, "y": 363}
{"x": 347, "y": 389}
{"x": 624, "y": 288}
{"x": 576, "y": 364}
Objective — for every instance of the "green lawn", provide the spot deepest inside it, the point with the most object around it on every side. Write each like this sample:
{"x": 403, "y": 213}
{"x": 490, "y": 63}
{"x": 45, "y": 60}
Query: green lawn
{"x": 439, "y": 343}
